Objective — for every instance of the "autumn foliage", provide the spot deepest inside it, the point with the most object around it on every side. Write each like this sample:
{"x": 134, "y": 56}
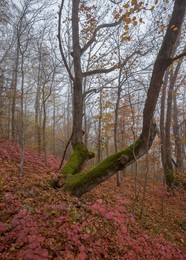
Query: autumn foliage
{"x": 39, "y": 222}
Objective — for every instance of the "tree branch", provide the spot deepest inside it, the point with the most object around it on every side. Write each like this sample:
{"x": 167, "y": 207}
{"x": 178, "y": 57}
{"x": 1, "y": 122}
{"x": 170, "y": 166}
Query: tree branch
{"x": 179, "y": 56}
{"x": 90, "y": 91}
{"x": 101, "y": 26}
{"x": 182, "y": 123}
{"x": 117, "y": 66}
{"x": 60, "y": 44}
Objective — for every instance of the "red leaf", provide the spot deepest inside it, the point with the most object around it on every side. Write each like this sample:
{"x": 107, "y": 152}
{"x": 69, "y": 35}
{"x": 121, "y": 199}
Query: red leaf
{"x": 100, "y": 201}
{"x": 82, "y": 256}
{"x": 81, "y": 248}
{"x": 2, "y": 227}
{"x": 34, "y": 245}
{"x": 43, "y": 253}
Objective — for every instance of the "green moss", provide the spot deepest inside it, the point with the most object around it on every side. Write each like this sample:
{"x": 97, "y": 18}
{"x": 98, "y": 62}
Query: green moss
{"x": 82, "y": 182}
{"x": 77, "y": 159}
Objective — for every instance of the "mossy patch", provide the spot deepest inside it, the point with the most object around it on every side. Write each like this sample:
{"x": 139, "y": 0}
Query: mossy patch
{"x": 77, "y": 159}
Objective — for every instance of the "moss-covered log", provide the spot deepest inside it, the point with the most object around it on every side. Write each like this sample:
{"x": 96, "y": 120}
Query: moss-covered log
{"x": 83, "y": 182}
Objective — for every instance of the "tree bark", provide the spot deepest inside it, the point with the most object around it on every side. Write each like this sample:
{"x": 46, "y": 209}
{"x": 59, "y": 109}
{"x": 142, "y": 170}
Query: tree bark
{"x": 168, "y": 164}
{"x": 14, "y": 91}
{"x": 177, "y": 137}
{"x": 78, "y": 87}
{"x": 162, "y": 116}
{"x": 99, "y": 144}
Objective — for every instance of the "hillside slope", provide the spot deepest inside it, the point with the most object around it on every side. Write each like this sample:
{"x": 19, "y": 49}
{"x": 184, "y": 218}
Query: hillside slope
{"x": 39, "y": 222}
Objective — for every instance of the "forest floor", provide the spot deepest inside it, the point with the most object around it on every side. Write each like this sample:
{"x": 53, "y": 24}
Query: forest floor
{"x": 39, "y": 222}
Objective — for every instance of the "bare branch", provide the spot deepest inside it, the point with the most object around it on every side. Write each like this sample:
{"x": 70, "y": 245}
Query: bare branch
{"x": 116, "y": 66}
{"x": 7, "y": 50}
{"x": 179, "y": 56}
{"x": 90, "y": 91}
{"x": 182, "y": 123}
{"x": 100, "y": 71}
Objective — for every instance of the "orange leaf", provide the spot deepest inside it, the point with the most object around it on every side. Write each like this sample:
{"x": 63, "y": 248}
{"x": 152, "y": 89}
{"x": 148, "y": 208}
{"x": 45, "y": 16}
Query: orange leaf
{"x": 133, "y": 18}
{"x": 116, "y": 16}
{"x": 127, "y": 20}
{"x": 126, "y": 5}
{"x": 131, "y": 10}
{"x": 133, "y": 2}
{"x": 125, "y": 38}
{"x": 126, "y": 27}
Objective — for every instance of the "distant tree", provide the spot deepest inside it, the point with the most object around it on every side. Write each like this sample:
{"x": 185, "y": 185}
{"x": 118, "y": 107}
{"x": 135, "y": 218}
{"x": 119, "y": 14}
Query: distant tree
{"x": 179, "y": 139}
{"x": 27, "y": 17}
{"x": 165, "y": 128}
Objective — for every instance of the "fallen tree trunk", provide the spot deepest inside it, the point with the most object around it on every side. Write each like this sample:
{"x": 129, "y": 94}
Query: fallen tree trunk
{"x": 78, "y": 183}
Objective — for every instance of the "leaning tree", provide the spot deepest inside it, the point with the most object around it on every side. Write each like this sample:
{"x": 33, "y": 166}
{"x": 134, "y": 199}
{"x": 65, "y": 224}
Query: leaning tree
{"x": 72, "y": 179}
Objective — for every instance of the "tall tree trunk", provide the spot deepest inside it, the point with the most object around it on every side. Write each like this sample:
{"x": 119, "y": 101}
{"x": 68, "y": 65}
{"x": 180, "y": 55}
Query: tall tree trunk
{"x": 44, "y": 127}
{"x": 38, "y": 108}
{"x": 14, "y": 91}
{"x": 162, "y": 116}
{"x": 80, "y": 152}
{"x": 54, "y": 126}
{"x": 99, "y": 144}
{"x": 118, "y": 175}
{"x": 22, "y": 116}
{"x": 77, "y": 133}
{"x": 176, "y": 132}
{"x": 167, "y": 163}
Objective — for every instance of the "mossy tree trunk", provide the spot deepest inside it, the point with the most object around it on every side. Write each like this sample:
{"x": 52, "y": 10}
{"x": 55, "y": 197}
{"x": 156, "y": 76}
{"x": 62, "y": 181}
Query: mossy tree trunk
{"x": 78, "y": 183}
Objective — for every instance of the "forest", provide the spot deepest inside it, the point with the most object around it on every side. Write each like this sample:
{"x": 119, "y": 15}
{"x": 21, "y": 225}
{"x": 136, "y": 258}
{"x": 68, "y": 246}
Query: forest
{"x": 92, "y": 129}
